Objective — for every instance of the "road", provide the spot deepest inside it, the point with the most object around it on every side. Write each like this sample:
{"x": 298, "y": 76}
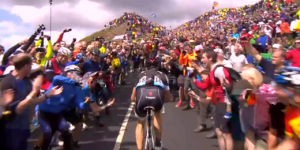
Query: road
{"x": 178, "y": 128}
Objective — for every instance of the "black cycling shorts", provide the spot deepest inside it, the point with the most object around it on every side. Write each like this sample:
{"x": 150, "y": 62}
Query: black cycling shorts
{"x": 148, "y": 97}
{"x": 50, "y": 122}
{"x": 73, "y": 116}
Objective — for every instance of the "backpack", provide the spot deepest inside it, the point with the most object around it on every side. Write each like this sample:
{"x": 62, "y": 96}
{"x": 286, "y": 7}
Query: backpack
{"x": 234, "y": 75}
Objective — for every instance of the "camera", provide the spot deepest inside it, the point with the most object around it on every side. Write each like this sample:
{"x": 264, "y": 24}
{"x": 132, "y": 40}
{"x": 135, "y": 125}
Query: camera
{"x": 40, "y": 28}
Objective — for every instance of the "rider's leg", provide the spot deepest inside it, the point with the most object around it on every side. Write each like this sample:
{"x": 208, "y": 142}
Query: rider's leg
{"x": 139, "y": 134}
{"x": 157, "y": 125}
{"x": 76, "y": 119}
{"x": 77, "y": 131}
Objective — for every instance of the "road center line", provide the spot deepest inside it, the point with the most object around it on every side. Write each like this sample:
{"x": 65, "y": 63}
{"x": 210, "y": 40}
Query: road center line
{"x": 123, "y": 128}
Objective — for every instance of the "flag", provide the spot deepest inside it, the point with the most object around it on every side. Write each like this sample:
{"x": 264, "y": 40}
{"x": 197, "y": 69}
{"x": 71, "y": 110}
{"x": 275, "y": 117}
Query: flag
{"x": 215, "y": 4}
{"x": 153, "y": 15}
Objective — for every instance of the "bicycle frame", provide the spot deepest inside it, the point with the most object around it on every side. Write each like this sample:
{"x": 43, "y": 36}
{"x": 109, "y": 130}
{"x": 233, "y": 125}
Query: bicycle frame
{"x": 149, "y": 142}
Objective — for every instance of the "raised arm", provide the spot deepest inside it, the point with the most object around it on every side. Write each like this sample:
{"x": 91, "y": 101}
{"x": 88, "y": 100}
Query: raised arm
{"x": 11, "y": 51}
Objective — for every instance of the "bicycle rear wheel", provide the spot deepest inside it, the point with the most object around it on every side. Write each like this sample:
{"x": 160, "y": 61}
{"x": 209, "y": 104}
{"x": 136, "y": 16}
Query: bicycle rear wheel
{"x": 149, "y": 142}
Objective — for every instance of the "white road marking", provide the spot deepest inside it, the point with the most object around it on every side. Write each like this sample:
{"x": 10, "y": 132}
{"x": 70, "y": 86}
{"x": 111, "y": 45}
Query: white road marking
{"x": 123, "y": 128}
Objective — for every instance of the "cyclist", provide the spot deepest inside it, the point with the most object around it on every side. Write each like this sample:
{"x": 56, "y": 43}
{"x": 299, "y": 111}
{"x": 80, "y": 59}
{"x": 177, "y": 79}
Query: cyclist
{"x": 288, "y": 92}
{"x": 151, "y": 90}
{"x": 55, "y": 66}
{"x": 52, "y": 113}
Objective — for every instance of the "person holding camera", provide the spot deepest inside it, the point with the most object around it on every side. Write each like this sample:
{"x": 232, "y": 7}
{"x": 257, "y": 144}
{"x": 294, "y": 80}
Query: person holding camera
{"x": 173, "y": 66}
{"x": 186, "y": 57}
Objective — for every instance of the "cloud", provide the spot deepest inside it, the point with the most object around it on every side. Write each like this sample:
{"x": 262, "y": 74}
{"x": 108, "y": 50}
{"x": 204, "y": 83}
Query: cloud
{"x": 88, "y": 16}
{"x": 85, "y": 15}
{"x": 95, "y": 13}
{"x": 9, "y": 41}
{"x": 8, "y": 27}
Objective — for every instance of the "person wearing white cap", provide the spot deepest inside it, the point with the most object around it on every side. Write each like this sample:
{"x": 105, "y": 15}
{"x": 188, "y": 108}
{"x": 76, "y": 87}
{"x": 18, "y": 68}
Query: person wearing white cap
{"x": 221, "y": 59}
{"x": 238, "y": 60}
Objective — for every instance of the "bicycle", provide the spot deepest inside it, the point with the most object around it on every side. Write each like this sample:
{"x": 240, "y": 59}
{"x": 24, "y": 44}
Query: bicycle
{"x": 149, "y": 142}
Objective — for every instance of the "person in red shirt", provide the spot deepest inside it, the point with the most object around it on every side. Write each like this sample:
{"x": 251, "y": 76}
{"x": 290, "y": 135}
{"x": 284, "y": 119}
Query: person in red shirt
{"x": 294, "y": 55}
{"x": 221, "y": 124}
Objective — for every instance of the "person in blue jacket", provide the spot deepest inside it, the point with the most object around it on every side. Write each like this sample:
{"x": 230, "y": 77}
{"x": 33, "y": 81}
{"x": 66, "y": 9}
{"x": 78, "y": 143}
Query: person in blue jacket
{"x": 51, "y": 111}
{"x": 93, "y": 63}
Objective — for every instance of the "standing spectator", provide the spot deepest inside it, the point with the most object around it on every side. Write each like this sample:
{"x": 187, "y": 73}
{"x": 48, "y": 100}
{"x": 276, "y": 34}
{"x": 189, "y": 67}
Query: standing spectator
{"x": 15, "y": 131}
{"x": 294, "y": 55}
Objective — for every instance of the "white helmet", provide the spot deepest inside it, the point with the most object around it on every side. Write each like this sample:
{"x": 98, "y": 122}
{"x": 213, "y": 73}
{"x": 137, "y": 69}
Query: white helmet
{"x": 72, "y": 68}
{"x": 64, "y": 51}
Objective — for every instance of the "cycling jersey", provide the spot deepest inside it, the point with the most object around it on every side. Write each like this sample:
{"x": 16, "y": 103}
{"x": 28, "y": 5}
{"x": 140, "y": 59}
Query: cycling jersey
{"x": 150, "y": 89}
{"x": 153, "y": 78}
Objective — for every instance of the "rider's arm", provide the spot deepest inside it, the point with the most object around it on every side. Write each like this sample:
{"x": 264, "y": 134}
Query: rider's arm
{"x": 133, "y": 94}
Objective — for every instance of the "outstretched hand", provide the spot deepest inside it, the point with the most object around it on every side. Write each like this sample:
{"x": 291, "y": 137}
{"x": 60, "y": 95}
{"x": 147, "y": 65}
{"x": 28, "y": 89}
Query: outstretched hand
{"x": 47, "y": 37}
{"x": 55, "y": 91}
{"x": 67, "y": 30}
{"x": 110, "y": 102}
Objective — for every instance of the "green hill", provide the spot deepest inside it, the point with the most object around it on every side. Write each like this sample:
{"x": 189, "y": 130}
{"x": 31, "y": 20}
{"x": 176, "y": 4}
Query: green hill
{"x": 120, "y": 29}
{"x": 109, "y": 34}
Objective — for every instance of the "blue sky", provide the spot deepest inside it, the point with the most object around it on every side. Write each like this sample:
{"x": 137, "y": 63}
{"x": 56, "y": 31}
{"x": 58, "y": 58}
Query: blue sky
{"x": 12, "y": 25}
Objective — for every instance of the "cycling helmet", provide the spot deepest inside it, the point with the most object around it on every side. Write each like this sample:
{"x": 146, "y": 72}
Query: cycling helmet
{"x": 72, "y": 68}
{"x": 79, "y": 56}
{"x": 95, "y": 51}
{"x": 288, "y": 76}
{"x": 64, "y": 51}
{"x": 152, "y": 62}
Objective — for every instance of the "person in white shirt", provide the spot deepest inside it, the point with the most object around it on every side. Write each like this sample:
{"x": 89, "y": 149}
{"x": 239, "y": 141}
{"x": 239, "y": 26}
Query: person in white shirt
{"x": 278, "y": 30}
{"x": 238, "y": 60}
{"x": 221, "y": 59}
{"x": 268, "y": 30}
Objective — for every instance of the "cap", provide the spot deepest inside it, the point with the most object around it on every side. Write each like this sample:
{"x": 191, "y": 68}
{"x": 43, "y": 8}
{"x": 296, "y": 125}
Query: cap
{"x": 198, "y": 48}
{"x": 219, "y": 51}
{"x": 240, "y": 86}
{"x": 276, "y": 46}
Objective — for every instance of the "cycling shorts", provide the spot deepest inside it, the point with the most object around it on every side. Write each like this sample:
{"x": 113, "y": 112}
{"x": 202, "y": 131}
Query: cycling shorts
{"x": 74, "y": 116}
{"x": 50, "y": 122}
{"x": 151, "y": 96}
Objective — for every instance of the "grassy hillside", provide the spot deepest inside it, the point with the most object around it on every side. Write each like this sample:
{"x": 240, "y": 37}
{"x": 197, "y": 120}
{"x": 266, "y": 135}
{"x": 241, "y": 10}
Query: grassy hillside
{"x": 107, "y": 33}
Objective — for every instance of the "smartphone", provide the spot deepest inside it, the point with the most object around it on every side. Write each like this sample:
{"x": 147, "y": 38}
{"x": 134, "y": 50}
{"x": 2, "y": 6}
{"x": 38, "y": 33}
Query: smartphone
{"x": 248, "y": 93}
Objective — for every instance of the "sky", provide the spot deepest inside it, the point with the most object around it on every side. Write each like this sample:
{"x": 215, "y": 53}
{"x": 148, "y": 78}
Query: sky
{"x": 20, "y": 18}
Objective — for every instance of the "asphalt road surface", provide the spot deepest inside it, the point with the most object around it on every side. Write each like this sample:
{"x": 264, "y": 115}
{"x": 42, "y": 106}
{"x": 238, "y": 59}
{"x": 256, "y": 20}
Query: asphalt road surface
{"x": 119, "y": 132}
